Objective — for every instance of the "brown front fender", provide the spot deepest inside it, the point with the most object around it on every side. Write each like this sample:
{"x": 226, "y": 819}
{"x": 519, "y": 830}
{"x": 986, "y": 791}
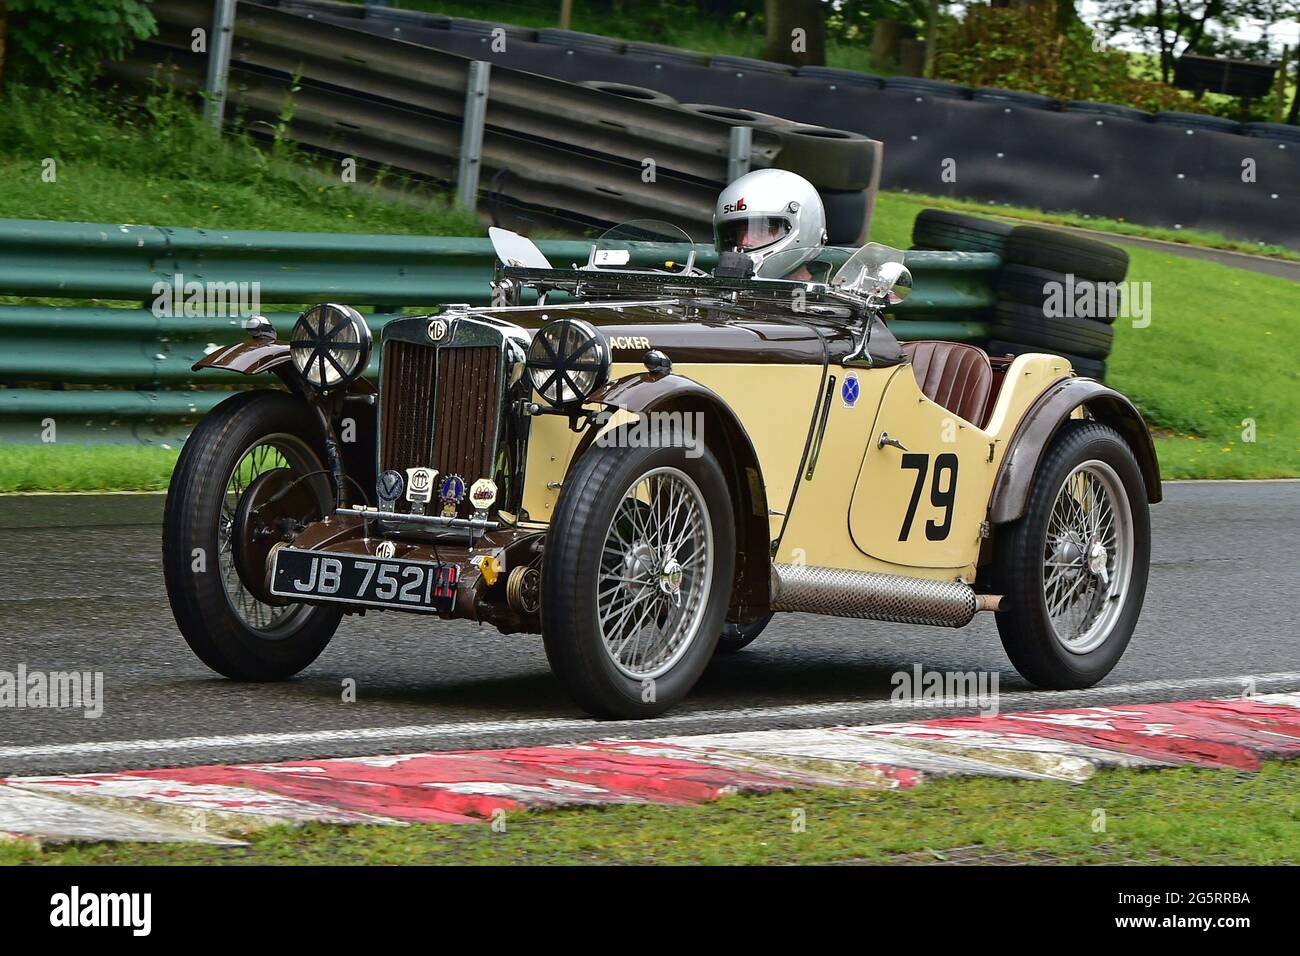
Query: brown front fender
{"x": 253, "y": 357}
{"x": 354, "y": 407}
{"x": 727, "y": 439}
{"x": 1040, "y": 424}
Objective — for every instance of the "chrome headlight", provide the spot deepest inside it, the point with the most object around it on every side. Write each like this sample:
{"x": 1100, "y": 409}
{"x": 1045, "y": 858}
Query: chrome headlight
{"x": 330, "y": 345}
{"x": 567, "y": 361}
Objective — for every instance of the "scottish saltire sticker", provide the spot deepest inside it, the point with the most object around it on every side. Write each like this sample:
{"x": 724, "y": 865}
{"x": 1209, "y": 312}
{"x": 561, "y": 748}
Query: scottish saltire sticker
{"x": 850, "y": 390}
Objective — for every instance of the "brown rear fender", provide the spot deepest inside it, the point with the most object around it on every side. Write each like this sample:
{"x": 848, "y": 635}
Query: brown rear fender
{"x": 1041, "y": 423}
{"x": 726, "y": 438}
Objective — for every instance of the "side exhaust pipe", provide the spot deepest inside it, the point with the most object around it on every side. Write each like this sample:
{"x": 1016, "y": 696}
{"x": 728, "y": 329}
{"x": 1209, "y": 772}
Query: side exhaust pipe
{"x": 876, "y": 597}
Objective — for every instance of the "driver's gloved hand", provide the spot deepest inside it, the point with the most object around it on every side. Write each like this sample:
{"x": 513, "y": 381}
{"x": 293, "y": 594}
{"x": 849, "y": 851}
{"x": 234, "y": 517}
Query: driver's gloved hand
{"x": 734, "y": 265}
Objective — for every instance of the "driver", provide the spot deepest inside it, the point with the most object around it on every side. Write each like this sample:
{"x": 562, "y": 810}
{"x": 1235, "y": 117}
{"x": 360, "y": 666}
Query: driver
{"x": 766, "y": 212}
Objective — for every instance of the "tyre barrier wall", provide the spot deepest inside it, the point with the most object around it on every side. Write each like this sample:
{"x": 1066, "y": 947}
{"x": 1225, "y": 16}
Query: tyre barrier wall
{"x": 1168, "y": 169}
{"x": 122, "y": 375}
{"x": 554, "y": 152}
{"x": 1041, "y": 267}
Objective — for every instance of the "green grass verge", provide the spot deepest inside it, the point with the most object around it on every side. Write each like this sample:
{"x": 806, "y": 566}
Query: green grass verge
{"x": 1215, "y": 368}
{"x": 1119, "y": 227}
{"x": 156, "y": 162}
{"x": 93, "y": 191}
{"x": 65, "y": 467}
{"x": 1181, "y": 816}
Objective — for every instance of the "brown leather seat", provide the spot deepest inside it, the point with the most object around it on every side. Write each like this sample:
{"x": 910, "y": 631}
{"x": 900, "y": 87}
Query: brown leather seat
{"x": 958, "y": 377}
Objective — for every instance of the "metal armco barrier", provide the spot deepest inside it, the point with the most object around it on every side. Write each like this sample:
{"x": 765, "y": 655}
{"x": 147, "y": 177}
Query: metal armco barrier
{"x": 127, "y": 371}
{"x": 111, "y": 261}
{"x": 541, "y": 149}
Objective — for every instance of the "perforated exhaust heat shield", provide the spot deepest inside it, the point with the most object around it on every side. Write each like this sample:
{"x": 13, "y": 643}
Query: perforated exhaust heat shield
{"x": 876, "y": 597}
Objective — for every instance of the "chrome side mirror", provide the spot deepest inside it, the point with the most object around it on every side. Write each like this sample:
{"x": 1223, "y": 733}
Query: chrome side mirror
{"x": 894, "y": 281}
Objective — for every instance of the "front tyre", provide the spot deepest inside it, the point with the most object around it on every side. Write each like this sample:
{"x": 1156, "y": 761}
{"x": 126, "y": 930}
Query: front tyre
{"x": 217, "y": 599}
{"x": 636, "y": 577}
{"x": 1073, "y": 569}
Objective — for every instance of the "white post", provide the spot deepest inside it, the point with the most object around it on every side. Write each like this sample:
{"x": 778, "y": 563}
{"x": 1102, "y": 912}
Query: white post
{"x": 219, "y": 44}
{"x": 739, "y": 145}
{"x": 471, "y": 135}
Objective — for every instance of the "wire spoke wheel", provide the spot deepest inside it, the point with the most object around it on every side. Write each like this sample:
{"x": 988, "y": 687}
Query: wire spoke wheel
{"x": 656, "y": 571}
{"x": 637, "y": 575}
{"x": 249, "y": 476}
{"x": 266, "y": 454}
{"x": 1087, "y": 556}
{"x": 1073, "y": 568}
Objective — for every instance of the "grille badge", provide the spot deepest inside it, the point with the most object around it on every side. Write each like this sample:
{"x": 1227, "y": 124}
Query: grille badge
{"x": 438, "y": 329}
{"x": 389, "y": 488}
{"x": 482, "y": 495}
{"x": 419, "y": 488}
{"x": 451, "y": 492}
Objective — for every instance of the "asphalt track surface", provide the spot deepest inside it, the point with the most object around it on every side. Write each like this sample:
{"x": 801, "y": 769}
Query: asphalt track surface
{"x": 81, "y": 589}
{"x": 1268, "y": 265}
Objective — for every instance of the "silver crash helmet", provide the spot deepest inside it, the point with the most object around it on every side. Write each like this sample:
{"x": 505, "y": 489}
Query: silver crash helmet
{"x": 767, "y": 212}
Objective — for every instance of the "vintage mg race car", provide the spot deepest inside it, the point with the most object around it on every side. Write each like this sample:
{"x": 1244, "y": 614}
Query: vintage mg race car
{"x": 647, "y": 464}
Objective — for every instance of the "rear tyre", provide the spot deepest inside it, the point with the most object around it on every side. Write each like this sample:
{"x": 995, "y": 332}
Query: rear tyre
{"x": 636, "y": 577}
{"x": 220, "y": 614}
{"x": 1073, "y": 569}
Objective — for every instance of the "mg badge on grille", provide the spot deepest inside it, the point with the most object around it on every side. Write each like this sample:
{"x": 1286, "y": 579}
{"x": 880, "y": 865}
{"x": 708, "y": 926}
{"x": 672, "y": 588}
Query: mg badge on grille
{"x": 451, "y": 493}
{"x": 438, "y": 330}
{"x": 419, "y": 487}
{"x": 389, "y": 488}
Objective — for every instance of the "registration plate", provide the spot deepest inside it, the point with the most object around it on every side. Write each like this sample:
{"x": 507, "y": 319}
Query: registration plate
{"x": 356, "y": 579}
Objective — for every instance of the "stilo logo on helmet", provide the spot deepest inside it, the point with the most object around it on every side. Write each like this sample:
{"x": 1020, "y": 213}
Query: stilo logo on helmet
{"x": 737, "y": 206}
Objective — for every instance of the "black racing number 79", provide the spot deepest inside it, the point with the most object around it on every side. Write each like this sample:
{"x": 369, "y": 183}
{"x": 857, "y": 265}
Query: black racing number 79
{"x": 945, "y": 498}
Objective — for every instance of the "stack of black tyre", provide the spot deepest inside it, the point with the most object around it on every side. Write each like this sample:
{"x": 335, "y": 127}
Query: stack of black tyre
{"x": 1036, "y": 262}
{"x": 844, "y": 166}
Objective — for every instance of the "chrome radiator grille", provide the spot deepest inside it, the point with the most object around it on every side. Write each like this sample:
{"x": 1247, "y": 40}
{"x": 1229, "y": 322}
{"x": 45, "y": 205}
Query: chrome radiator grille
{"x": 406, "y": 397}
{"x": 439, "y": 408}
{"x": 465, "y": 417}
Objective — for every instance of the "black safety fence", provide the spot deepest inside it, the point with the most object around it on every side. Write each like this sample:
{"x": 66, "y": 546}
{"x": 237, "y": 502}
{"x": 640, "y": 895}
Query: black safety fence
{"x": 1176, "y": 170}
